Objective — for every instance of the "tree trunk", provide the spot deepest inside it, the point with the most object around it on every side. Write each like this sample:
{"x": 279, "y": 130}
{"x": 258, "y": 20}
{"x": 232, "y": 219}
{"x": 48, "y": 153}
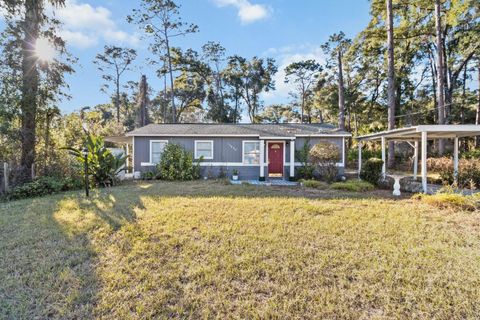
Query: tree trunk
{"x": 391, "y": 82}
{"x": 440, "y": 73}
{"x": 172, "y": 94}
{"x": 30, "y": 83}
{"x": 117, "y": 97}
{"x": 477, "y": 118}
{"x": 341, "y": 94}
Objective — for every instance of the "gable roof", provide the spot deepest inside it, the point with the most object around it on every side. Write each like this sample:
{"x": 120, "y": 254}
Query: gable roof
{"x": 247, "y": 130}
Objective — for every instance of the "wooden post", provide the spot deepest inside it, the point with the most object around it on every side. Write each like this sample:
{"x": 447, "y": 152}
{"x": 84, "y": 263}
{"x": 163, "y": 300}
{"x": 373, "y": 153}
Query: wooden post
{"x": 6, "y": 174}
{"x": 455, "y": 160}
{"x": 424, "y": 162}
{"x": 384, "y": 167}
{"x": 359, "y": 158}
{"x": 415, "y": 161}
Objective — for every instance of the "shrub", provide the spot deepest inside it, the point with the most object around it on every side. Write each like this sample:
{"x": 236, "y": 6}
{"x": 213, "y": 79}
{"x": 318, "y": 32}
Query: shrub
{"x": 324, "y": 156}
{"x": 313, "y": 184}
{"x": 148, "y": 175}
{"x": 372, "y": 170}
{"x": 468, "y": 171}
{"x": 472, "y": 154}
{"x": 353, "y": 185}
{"x": 177, "y": 164}
{"x": 305, "y": 171}
{"x": 43, "y": 186}
{"x": 352, "y": 154}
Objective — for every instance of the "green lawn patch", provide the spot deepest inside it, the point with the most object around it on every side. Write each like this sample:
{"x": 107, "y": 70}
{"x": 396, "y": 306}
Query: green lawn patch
{"x": 204, "y": 249}
{"x": 353, "y": 185}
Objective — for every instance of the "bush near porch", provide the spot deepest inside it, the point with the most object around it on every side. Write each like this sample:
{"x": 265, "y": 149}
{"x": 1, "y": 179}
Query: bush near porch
{"x": 468, "y": 171}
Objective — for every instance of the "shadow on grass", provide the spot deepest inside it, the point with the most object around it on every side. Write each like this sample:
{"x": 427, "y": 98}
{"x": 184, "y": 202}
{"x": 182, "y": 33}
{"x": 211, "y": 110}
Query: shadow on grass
{"x": 49, "y": 269}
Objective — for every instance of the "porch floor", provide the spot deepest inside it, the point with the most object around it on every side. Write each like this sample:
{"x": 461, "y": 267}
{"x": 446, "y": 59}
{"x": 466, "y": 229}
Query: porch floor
{"x": 271, "y": 182}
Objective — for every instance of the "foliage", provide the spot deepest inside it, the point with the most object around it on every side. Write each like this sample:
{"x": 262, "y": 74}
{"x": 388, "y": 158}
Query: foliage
{"x": 324, "y": 156}
{"x": 468, "y": 171}
{"x": 44, "y": 186}
{"x": 472, "y": 154}
{"x": 353, "y": 185}
{"x": 448, "y": 198}
{"x": 352, "y": 154}
{"x": 310, "y": 183}
{"x": 306, "y": 170}
{"x": 177, "y": 164}
{"x": 103, "y": 166}
{"x": 235, "y": 172}
{"x": 372, "y": 170}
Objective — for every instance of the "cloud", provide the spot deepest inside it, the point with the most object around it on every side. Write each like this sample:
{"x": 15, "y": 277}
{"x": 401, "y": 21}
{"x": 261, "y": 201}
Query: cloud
{"x": 285, "y": 56}
{"x": 247, "y": 11}
{"x": 85, "y": 25}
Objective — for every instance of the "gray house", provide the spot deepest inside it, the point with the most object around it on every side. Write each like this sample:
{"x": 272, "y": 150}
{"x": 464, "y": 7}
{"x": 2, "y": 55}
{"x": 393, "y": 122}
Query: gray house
{"x": 257, "y": 151}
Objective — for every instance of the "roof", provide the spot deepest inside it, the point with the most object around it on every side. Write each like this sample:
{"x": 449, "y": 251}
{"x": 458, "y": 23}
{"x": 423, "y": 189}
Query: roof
{"x": 284, "y": 130}
{"x": 433, "y": 132}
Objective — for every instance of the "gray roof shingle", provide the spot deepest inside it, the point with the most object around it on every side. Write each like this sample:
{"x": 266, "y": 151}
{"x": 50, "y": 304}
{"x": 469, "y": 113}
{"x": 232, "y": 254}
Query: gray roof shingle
{"x": 261, "y": 130}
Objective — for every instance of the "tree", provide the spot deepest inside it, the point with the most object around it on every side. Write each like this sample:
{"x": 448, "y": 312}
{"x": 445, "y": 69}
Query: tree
{"x": 335, "y": 48}
{"x": 251, "y": 78}
{"x": 40, "y": 77}
{"x": 278, "y": 113}
{"x": 161, "y": 20}
{"x": 304, "y": 74}
{"x": 440, "y": 72}
{"x": 113, "y": 63}
{"x": 142, "y": 118}
{"x": 391, "y": 81}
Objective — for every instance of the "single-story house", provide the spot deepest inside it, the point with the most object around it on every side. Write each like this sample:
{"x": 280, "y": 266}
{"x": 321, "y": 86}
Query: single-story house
{"x": 257, "y": 151}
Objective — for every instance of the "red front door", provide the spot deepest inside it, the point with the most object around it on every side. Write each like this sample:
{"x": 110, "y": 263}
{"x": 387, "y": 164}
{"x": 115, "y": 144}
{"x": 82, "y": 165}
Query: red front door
{"x": 275, "y": 159}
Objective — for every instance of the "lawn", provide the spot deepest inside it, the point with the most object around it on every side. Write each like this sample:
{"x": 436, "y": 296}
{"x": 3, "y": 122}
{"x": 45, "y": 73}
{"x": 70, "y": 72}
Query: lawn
{"x": 209, "y": 250}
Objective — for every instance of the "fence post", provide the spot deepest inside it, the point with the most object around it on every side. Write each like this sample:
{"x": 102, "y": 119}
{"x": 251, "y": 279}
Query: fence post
{"x": 6, "y": 174}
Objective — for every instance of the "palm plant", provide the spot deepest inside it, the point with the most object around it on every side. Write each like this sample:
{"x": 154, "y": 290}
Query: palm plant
{"x": 103, "y": 165}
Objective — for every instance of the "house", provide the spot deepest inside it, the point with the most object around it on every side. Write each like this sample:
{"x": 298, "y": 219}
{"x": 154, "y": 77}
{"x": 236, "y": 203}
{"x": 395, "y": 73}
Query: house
{"x": 257, "y": 151}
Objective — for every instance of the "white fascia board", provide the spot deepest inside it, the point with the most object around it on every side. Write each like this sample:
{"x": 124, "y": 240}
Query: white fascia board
{"x": 460, "y": 128}
{"x": 324, "y": 135}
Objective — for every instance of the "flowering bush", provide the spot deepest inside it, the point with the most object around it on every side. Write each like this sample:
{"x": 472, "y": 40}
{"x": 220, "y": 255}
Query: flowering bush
{"x": 324, "y": 156}
{"x": 468, "y": 171}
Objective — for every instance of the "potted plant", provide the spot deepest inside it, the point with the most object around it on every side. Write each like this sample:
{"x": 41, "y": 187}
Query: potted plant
{"x": 235, "y": 175}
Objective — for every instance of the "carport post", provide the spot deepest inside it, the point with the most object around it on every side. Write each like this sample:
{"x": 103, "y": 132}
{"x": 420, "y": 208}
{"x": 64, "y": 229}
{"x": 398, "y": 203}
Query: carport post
{"x": 455, "y": 160}
{"x": 384, "y": 166}
{"x": 359, "y": 158}
{"x": 415, "y": 160}
{"x": 424, "y": 161}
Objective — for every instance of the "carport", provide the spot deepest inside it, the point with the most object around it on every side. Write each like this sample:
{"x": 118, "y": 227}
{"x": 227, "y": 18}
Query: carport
{"x": 418, "y": 136}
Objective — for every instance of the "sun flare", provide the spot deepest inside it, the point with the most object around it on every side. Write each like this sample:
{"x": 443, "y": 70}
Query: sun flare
{"x": 44, "y": 50}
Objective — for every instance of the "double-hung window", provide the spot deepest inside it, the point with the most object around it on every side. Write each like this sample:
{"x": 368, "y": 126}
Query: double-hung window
{"x": 251, "y": 152}
{"x": 156, "y": 150}
{"x": 204, "y": 148}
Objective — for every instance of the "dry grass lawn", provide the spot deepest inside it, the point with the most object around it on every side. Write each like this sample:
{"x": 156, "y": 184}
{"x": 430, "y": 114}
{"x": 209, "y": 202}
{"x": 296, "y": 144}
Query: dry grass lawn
{"x": 210, "y": 250}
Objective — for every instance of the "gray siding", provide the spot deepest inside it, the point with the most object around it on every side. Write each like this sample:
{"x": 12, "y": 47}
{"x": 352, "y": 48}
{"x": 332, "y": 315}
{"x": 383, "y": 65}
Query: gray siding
{"x": 225, "y": 150}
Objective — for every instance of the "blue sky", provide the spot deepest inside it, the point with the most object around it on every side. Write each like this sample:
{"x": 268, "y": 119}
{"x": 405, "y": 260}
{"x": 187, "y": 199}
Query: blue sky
{"x": 286, "y": 30}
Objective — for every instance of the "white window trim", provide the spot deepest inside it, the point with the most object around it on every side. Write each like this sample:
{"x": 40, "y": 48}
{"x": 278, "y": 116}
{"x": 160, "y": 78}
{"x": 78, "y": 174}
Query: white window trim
{"x": 195, "y": 146}
{"x": 243, "y": 152}
{"x": 151, "y": 142}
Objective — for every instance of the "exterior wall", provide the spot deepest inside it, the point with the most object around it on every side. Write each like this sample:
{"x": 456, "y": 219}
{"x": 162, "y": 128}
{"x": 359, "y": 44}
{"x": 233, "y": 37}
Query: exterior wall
{"x": 227, "y": 154}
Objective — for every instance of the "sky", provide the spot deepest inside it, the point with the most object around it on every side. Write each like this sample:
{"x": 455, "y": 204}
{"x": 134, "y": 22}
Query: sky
{"x": 286, "y": 30}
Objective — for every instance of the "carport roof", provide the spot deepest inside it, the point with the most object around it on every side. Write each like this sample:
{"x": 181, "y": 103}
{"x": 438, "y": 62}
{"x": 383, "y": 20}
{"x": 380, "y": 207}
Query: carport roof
{"x": 433, "y": 132}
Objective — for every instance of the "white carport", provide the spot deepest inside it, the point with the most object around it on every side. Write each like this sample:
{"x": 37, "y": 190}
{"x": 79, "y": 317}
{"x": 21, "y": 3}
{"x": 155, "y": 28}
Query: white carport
{"x": 419, "y": 135}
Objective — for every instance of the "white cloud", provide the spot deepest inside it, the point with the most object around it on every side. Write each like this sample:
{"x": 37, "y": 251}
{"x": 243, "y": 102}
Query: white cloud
{"x": 247, "y": 11}
{"x": 285, "y": 56}
{"x": 85, "y": 25}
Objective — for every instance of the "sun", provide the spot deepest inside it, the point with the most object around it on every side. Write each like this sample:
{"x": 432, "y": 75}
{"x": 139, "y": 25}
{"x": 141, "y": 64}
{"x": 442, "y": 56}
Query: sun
{"x": 44, "y": 50}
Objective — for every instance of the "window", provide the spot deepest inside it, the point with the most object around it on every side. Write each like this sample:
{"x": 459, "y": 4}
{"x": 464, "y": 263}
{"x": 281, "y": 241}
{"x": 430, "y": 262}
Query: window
{"x": 251, "y": 152}
{"x": 204, "y": 149}
{"x": 156, "y": 150}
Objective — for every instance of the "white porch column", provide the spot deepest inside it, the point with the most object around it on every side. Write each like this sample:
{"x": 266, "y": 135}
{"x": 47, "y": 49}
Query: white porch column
{"x": 262, "y": 160}
{"x": 455, "y": 160}
{"x": 415, "y": 161}
{"x": 384, "y": 167}
{"x": 292, "y": 159}
{"x": 127, "y": 152}
{"x": 424, "y": 162}
{"x": 360, "y": 145}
